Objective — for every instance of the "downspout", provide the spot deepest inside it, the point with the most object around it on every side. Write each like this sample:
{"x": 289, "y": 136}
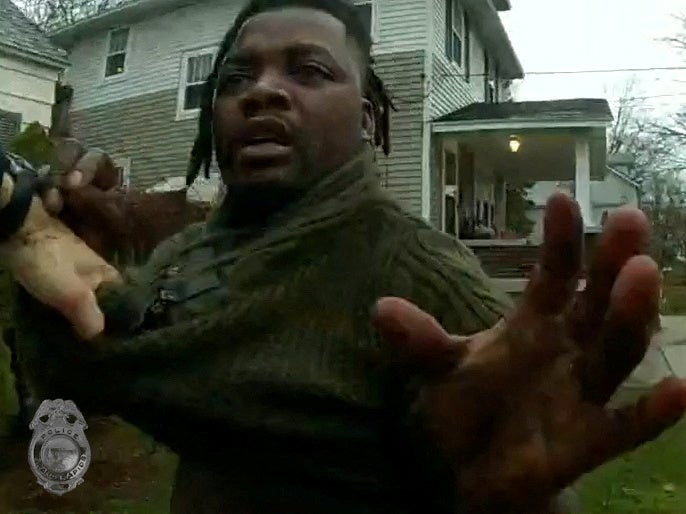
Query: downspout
{"x": 426, "y": 111}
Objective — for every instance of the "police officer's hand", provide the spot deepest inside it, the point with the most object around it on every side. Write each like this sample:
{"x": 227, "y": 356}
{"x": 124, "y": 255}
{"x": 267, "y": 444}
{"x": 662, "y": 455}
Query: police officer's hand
{"x": 45, "y": 256}
{"x": 520, "y": 411}
{"x": 112, "y": 220}
{"x": 85, "y": 195}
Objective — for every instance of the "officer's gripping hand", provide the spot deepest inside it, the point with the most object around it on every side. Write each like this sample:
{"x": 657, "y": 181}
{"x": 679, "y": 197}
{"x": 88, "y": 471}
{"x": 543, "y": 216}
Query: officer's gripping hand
{"x": 45, "y": 256}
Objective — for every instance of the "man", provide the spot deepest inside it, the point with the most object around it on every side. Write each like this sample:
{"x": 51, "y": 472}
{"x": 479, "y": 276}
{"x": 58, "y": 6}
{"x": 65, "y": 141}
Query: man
{"x": 276, "y": 350}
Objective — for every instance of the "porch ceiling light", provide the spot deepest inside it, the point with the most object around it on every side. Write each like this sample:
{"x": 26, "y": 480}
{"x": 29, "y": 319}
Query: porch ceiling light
{"x": 515, "y": 143}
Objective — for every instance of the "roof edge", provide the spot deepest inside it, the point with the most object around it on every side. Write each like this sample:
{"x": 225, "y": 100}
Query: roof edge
{"x": 122, "y": 14}
{"x": 494, "y": 33}
{"x": 606, "y": 116}
{"x": 37, "y": 58}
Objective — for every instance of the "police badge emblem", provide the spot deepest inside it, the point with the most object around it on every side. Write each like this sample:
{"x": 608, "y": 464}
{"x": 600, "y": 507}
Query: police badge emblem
{"x": 59, "y": 453}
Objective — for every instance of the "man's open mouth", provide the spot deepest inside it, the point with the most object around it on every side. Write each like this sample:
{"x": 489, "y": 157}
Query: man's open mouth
{"x": 265, "y": 139}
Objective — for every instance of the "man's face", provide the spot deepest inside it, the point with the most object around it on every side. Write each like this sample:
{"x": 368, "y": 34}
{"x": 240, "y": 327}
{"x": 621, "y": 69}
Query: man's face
{"x": 289, "y": 103}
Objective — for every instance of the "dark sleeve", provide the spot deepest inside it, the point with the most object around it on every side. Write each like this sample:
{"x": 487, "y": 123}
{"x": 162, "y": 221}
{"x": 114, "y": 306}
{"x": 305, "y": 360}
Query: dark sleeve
{"x": 106, "y": 374}
{"x": 443, "y": 277}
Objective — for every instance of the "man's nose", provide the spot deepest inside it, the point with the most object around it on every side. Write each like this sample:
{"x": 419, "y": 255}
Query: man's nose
{"x": 267, "y": 94}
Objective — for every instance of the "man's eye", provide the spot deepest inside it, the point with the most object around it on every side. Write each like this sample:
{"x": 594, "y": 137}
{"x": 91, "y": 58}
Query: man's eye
{"x": 312, "y": 72}
{"x": 232, "y": 78}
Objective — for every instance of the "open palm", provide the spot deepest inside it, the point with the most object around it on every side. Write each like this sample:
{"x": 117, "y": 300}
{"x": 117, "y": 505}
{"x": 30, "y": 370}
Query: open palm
{"x": 519, "y": 410}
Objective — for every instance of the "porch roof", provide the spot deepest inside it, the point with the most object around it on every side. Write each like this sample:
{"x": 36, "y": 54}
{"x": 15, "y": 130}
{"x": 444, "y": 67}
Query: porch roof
{"x": 574, "y": 113}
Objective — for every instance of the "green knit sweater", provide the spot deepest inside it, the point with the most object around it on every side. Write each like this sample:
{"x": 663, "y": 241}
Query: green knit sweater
{"x": 255, "y": 360}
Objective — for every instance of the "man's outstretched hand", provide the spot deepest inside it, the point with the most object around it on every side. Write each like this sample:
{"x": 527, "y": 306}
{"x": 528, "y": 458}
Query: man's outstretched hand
{"x": 519, "y": 410}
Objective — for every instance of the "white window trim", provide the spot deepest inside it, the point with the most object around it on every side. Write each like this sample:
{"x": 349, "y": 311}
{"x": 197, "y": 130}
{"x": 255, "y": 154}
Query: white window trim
{"x": 127, "y": 54}
{"x": 460, "y": 63}
{"x": 375, "y": 17}
{"x": 181, "y": 113}
{"x": 125, "y": 164}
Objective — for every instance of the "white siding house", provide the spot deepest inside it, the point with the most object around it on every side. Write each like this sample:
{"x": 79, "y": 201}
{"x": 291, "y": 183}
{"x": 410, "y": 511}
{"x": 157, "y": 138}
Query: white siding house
{"x": 30, "y": 66}
{"x": 617, "y": 190}
{"x": 137, "y": 71}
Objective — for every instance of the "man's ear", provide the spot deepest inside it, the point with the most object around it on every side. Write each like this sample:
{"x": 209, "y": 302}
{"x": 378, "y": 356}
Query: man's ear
{"x": 368, "y": 122}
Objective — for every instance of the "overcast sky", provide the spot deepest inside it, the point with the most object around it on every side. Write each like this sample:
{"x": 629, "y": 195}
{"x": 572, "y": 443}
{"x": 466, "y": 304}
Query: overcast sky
{"x": 551, "y": 35}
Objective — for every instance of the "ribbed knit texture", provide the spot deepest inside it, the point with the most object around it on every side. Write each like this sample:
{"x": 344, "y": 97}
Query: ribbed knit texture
{"x": 274, "y": 381}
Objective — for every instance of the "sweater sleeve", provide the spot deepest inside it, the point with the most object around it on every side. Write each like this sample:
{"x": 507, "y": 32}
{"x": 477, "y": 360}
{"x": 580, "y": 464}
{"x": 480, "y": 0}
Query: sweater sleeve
{"x": 443, "y": 277}
{"x": 103, "y": 374}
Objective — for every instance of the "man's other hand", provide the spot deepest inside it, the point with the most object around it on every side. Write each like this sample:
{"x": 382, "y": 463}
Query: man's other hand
{"x": 520, "y": 410}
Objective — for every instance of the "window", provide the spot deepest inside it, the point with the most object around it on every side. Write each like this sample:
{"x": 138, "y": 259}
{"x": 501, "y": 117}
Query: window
{"x": 10, "y": 126}
{"x": 455, "y": 30}
{"x": 195, "y": 67}
{"x": 491, "y": 93}
{"x": 365, "y": 10}
{"x": 115, "y": 63}
{"x": 123, "y": 167}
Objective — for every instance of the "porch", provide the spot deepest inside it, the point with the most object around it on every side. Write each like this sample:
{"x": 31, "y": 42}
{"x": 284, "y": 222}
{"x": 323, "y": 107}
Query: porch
{"x": 486, "y": 155}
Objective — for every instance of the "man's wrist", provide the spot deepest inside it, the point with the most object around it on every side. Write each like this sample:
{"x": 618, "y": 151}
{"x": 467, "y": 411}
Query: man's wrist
{"x": 17, "y": 189}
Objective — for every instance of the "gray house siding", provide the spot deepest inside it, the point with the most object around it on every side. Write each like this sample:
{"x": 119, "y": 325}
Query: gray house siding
{"x": 449, "y": 89}
{"x": 143, "y": 128}
{"x": 135, "y": 115}
{"x": 156, "y": 46}
{"x": 401, "y": 172}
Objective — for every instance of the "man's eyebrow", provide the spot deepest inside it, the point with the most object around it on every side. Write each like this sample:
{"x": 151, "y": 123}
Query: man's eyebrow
{"x": 245, "y": 55}
{"x": 310, "y": 49}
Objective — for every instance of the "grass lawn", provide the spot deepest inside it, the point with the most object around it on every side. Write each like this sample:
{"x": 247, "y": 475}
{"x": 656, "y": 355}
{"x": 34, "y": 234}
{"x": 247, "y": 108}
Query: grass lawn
{"x": 651, "y": 480}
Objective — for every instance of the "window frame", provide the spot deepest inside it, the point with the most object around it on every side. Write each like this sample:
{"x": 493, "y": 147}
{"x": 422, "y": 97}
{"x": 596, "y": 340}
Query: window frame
{"x": 189, "y": 114}
{"x": 108, "y": 54}
{"x": 491, "y": 81}
{"x": 451, "y": 30}
{"x": 17, "y": 119}
{"x": 374, "y": 22}
{"x": 125, "y": 164}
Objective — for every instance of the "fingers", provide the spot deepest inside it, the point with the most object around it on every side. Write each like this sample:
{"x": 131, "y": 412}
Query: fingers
{"x": 629, "y": 427}
{"x": 94, "y": 167}
{"x": 419, "y": 340}
{"x": 626, "y": 234}
{"x": 627, "y": 330}
{"x": 555, "y": 279}
{"x": 67, "y": 153}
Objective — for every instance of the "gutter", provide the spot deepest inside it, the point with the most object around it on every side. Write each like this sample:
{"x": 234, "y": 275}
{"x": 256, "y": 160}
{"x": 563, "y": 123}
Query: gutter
{"x": 122, "y": 14}
{"x": 35, "y": 57}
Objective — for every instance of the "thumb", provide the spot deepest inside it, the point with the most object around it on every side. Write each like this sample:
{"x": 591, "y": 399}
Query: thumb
{"x": 418, "y": 340}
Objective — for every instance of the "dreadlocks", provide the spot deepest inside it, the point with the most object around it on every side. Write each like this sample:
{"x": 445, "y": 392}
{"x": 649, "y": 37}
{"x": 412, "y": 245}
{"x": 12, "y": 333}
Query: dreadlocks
{"x": 374, "y": 90}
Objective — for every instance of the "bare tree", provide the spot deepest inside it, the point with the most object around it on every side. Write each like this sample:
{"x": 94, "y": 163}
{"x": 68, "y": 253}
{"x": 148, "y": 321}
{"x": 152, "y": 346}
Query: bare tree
{"x": 658, "y": 164}
{"x": 55, "y": 14}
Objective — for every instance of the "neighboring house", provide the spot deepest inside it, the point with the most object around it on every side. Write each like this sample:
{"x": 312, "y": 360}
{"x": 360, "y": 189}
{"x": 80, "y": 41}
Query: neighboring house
{"x": 30, "y": 65}
{"x": 615, "y": 191}
{"x": 137, "y": 72}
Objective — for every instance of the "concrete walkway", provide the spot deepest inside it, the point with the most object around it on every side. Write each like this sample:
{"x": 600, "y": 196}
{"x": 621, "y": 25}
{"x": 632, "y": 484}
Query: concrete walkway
{"x": 665, "y": 357}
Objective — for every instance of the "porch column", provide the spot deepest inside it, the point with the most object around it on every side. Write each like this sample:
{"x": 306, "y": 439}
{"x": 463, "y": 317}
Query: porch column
{"x": 582, "y": 180}
{"x": 500, "y": 202}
